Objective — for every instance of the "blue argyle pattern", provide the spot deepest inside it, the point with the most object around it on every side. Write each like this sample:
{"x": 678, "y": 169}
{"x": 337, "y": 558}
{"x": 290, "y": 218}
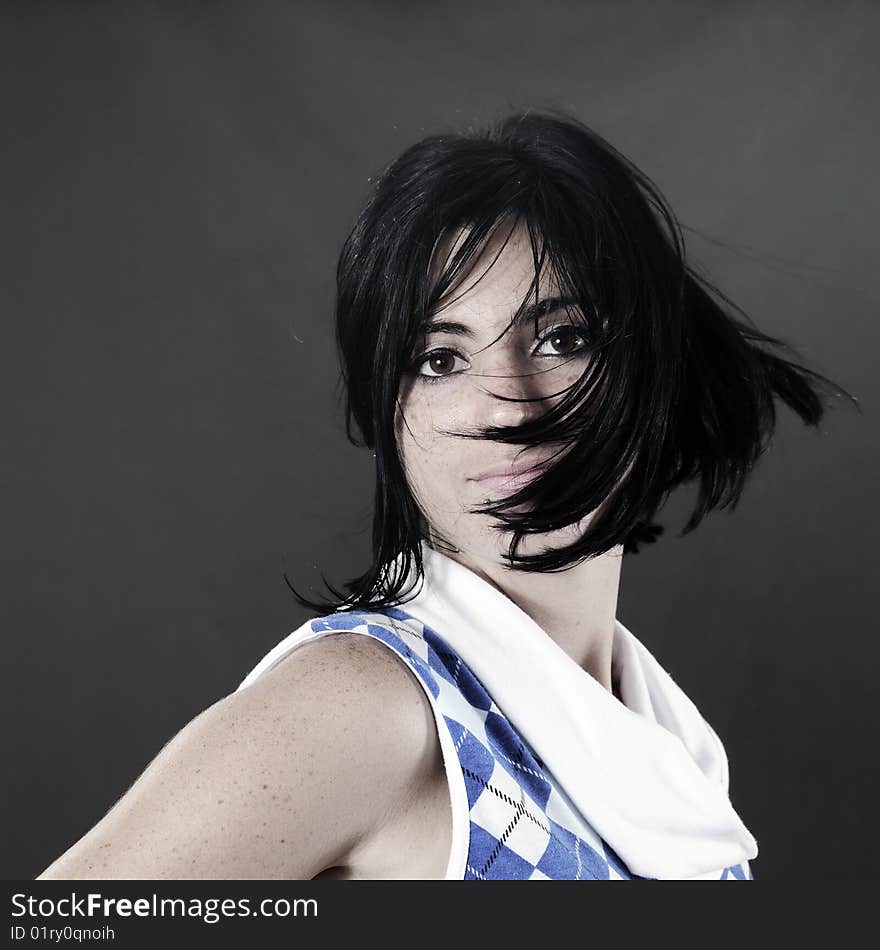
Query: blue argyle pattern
{"x": 522, "y": 824}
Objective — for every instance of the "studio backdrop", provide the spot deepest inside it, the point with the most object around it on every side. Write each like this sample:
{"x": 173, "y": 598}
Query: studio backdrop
{"x": 178, "y": 179}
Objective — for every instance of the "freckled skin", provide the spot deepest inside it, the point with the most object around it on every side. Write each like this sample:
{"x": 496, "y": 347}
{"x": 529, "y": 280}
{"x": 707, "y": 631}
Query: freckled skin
{"x": 279, "y": 781}
{"x": 439, "y": 466}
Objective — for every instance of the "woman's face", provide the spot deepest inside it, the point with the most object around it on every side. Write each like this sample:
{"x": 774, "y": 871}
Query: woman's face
{"x": 455, "y": 385}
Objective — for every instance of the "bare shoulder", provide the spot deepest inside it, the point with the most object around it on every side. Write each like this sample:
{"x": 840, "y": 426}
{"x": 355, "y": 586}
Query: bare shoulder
{"x": 388, "y": 717}
{"x": 350, "y": 683}
{"x": 352, "y": 663}
{"x": 280, "y": 780}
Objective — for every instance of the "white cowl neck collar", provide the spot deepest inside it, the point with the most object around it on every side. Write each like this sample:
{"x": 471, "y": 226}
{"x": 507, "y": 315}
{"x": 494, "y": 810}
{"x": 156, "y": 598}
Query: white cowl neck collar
{"x": 646, "y": 770}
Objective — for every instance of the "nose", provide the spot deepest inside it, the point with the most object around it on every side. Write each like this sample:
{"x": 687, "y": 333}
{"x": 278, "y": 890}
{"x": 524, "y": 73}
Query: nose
{"x": 514, "y": 395}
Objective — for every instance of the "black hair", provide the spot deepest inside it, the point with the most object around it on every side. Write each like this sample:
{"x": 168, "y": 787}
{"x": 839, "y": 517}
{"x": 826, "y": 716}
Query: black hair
{"x": 679, "y": 388}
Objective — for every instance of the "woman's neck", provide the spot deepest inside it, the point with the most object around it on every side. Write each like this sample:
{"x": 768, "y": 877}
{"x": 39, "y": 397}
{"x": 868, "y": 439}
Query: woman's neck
{"x": 576, "y": 608}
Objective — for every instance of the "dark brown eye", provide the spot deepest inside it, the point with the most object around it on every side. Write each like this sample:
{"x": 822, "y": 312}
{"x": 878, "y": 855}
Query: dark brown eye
{"x": 441, "y": 362}
{"x": 564, "y": 340}
{"x": 437, "y": 364}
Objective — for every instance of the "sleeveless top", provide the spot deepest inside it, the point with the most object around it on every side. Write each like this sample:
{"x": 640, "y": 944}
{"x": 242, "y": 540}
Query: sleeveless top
{"x": 511, "y": 818}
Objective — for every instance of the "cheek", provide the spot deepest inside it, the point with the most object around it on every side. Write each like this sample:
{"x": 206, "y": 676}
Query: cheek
{"x": 423, "y": 449}
{"x": 430, "y": 456}
{"x": 415, "y": 427}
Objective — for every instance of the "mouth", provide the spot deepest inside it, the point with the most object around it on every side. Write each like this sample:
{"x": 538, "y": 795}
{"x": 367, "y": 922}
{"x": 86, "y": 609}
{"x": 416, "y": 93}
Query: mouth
{"x": 510, "y": 480}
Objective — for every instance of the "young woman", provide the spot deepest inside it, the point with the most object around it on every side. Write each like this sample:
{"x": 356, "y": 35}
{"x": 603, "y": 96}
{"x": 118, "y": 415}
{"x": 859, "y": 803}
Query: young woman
{"x": 535, "y": 367}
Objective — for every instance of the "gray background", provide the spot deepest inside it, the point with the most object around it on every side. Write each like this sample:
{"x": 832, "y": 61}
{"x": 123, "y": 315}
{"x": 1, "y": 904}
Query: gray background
{"x": 177, "y": 181}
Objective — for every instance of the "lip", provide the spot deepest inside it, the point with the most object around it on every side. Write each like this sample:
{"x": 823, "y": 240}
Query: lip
{"x": 502, "y": 474}
{"x": 505, "y": 483}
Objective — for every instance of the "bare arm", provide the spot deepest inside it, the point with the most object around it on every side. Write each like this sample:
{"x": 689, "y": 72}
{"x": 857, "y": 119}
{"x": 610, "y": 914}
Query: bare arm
{"x": 278, "y": 781}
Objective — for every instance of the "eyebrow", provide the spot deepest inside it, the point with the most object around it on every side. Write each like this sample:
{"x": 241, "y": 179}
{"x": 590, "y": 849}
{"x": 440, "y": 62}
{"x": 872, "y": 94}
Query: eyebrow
{"x": 533, "y": 312}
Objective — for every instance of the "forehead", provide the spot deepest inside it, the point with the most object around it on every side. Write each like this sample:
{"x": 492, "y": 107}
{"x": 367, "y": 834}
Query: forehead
{"x": 496, "y": 282}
